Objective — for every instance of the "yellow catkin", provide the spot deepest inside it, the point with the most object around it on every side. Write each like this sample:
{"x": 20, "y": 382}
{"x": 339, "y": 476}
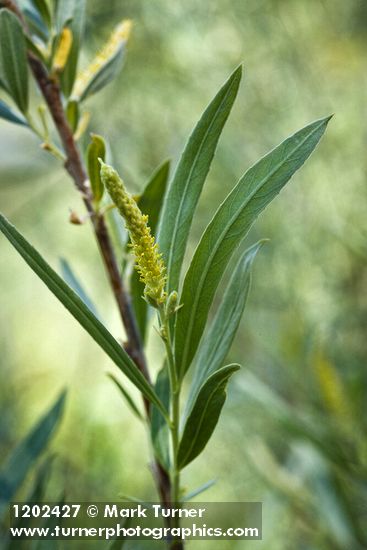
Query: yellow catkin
{"x": 149, "y": 261}
{"x": 118, "y": 38}
{"x": 63, "y": 50}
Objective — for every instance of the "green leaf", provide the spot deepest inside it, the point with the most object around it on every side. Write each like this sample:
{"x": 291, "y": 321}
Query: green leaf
{"x": 129, "y": 400}
{"x": 151, "y": 200}
{"x": 36, "y": 494}
{"x": 96, "y": 150}
{"x": 35, "y": 23}
{"x": 150, "y": 203}
{"x": 72, "y": 114}
{"x": 199, "y": 490}
{"x": 185, "y": 188}
{"x": 8, "y": 114}
{"x": 72, "y": 280}
{"x": 27, "y": 452}
{"x": 64, "y": 12}
{"x": 106, "y": 73}
{"x": 72, "y": 13}
{"x": 231, "y": 223}
{"x": 43, "y": 9}
{"x": 159, "y": 428}
{"x": 79, "y": 310}
{"x": 216, "y": 344}
{"x": 13, "y": 58}
{"x": 34, "y": 44}
{"x": 42, "y": 477}
{"x": 204, "y": 415}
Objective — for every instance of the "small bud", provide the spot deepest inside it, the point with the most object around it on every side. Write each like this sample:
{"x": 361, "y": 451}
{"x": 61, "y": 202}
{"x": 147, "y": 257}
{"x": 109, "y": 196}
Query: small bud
{"x": 163, "y": 333}
{"x": 75, "y": 219}
{"x": 46, "y": 146}
{"x": 171, "y": 304}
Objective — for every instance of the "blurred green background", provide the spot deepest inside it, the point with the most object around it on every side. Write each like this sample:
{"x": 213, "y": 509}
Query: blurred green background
{"x": 293, "y": 433}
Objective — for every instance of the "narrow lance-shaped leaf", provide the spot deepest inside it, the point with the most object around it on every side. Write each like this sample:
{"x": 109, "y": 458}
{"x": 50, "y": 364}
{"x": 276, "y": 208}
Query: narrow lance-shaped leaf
{"x": 96, "y": 150}
{"x": 150, "y": 203}
{"x": 35, "y": 45}
{"x": 13, "y": 58}
{"x": 27, "y": 452}
{"x": 64, "y": 12}
{"x": 39, "y": 487}
{"x": 72, "y": 114}
{"x": 231, "y": 223}
{"x": 199, "y": 490}
{"x": 204, "y": 415}
{"x": 105, "y": 66}
{"x": 216, "y": 344}
{"x": 79, "y": 310}
{"x": 151, "y": 200}
{"x": 43, "y": 9}
{"x": 36, "y": 494}
{"x": 159, "y": 428}
{"x": 8, "y": 114}
{"x": 185, "y": 189}
{"x": 35, "y": 23}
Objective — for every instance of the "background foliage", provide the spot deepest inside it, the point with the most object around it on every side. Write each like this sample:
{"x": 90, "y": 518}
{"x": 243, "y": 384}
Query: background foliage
{"x": 302, "y": 340}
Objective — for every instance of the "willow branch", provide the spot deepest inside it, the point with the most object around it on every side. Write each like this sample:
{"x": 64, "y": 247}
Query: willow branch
{"x": 74, "y": 165}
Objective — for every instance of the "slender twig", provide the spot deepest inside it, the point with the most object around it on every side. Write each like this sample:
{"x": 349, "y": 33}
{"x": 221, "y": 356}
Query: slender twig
{"x": 50, "y": 89}
{"x": 74, "y": 165}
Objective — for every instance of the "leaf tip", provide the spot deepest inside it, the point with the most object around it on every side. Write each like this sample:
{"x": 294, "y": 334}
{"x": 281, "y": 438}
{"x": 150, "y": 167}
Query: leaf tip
{"x": 237, "y": 73}
{"x": 59, "y": 405}
{"x": 261, "y": 242}
{"x": 325, "y": 120}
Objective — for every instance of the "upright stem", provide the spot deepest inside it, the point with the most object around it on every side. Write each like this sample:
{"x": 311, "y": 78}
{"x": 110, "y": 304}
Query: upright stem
{"x": 175, "y": 441}
{"x": 175, "y": 386}
{"x": 74, "y": 165}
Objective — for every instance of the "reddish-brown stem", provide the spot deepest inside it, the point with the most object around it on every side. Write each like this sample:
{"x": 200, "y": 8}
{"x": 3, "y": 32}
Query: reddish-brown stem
{"x": 74, "y": 165}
